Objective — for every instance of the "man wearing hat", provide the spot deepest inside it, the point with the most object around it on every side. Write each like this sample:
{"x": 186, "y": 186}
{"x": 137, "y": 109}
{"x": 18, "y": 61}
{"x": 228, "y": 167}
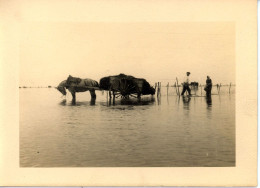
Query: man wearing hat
{"x": 186, "y": 84}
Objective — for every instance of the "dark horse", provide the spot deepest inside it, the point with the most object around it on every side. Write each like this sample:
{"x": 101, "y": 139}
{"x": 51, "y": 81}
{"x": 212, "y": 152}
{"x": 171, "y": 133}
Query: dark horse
{"x": 74, "y": 85}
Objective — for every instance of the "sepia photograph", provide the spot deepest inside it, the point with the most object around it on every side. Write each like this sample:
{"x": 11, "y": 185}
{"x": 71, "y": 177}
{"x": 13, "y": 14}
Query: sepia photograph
{"x": 128, "y": 93}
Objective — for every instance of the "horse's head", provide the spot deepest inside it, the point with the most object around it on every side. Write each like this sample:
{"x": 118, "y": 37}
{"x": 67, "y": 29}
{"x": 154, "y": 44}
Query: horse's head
{"x": 152, "y": 91}
{"x": 61, "y": 87}
{"x": 62, "y": 90}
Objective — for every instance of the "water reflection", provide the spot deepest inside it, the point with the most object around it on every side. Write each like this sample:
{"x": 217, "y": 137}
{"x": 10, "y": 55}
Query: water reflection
{"x": 130, "y": 101}
{"x": 186, "y": 102}
{"x": 209, "y": 101}
{"x": 209, "y": 106}
{"x": 186, "y": 106}
{"x": 92, "y": 102}
{"x": 158, "y": 100}
{"x": 137, "y": 101}
{"x": 180, "y": 132}
{"x": 63, "y": 102}
{"x": 177, "y": 100}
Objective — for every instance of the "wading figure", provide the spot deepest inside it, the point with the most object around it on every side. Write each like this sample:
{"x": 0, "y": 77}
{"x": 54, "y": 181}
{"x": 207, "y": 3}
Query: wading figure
{"x": 74, "y": 84}
{"x": 208, "y": 86}
{"x": 186, "y": 83}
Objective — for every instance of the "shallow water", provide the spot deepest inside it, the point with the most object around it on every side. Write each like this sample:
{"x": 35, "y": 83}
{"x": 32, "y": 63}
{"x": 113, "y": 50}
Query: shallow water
{"x": 165, "y": 132}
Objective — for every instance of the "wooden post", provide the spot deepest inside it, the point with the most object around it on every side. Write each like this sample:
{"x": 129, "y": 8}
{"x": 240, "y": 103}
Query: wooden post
{"x": 167, "y": 88}
{"x": 155, "y": 87}
{"x": 158, "y": 89}
{"x": 219, "y": 88}
{"x": 200, "y": 90}
{"x": 178, "y": 86}
{"x": 229, "y": 87}
{"x": 159, "y": 83}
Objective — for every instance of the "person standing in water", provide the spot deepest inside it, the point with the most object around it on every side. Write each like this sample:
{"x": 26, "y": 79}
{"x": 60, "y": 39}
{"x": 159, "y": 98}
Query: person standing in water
{"x": 186, "y": 84}
{"x": 208, "y": 86}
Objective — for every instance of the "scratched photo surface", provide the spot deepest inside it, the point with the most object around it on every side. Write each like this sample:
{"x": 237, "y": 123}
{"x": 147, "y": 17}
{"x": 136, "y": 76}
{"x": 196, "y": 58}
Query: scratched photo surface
{"x": 94, "y": 128}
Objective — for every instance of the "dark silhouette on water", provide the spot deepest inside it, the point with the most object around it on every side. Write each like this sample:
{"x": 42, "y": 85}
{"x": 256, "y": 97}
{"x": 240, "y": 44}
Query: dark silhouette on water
{"x": 186, "y": 84}
{"x": 208, "y": 86}
{"x": 209, "y": 101}
{"x": 125, "y": 86}
{"x": 186, "y": 101}
{"x": 63, "y": 102}
{"x": 209, "y": 106}
{"x": 131, "y": 101}
{"x": 186, "y": 106}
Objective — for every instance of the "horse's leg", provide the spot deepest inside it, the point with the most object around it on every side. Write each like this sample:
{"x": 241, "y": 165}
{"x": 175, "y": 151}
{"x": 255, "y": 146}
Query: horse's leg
{"x": 73, "y": 97}
{"x": 139, "y": 96}
{"x": 109, "y": 101}
{"x": 114, "y": 101}
{"x": 93, "y": 94}
{"x": 110, "y": 93}
{"x": 92, "y": 101}
{"x": 73, "y": 93}
{"x": 114, "y": 95}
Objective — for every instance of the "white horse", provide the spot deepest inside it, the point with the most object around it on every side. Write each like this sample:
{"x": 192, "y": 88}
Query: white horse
{"x": 74, "y": 85}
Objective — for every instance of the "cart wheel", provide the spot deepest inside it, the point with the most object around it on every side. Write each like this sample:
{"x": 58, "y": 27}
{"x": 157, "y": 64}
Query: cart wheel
{"x": 123, "y": 85}
{"x": 125, "y": 88}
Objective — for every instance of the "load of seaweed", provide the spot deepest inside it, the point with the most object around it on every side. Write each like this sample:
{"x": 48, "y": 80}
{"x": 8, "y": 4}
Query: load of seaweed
{"x": 73, "y": 80}
{"x": 126, "y": 84}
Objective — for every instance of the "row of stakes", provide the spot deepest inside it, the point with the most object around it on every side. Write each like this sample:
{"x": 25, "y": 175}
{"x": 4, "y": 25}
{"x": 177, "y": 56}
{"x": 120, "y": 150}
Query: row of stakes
{"x": 158, "y": 86}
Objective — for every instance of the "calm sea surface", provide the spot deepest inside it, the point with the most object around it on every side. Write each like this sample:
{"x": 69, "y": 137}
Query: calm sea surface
{"x": 169, "y": 132}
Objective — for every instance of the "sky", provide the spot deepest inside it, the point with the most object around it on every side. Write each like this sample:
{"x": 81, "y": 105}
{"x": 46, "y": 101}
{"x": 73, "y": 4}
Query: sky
{"x": 156, "y": 51}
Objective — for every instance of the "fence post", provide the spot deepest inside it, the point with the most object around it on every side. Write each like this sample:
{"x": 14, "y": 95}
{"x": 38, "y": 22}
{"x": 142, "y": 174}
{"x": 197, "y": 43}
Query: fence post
{"x": 167, "y": 88}
{"x": 178, "y": 86}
